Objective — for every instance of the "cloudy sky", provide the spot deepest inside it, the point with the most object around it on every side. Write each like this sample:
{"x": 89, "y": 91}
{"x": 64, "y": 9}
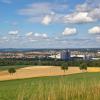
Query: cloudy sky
{"x": 49, "y": 23}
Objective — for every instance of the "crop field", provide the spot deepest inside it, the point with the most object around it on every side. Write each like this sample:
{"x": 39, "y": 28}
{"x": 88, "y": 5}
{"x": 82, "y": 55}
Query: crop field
{"x": 82, "y": 86}
{"x": 37, "y": 71}
{"x": 41, "y": 71}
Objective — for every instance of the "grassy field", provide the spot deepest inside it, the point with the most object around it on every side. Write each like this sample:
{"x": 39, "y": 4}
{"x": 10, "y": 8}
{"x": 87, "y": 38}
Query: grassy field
{"x": 83, "y": 86}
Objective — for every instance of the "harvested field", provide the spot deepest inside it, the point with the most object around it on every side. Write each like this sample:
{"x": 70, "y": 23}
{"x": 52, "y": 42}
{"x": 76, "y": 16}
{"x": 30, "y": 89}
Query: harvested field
{"x": 40, "y": 71}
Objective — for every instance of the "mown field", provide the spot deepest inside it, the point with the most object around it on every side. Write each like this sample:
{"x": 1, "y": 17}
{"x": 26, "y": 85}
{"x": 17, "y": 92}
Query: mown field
{"x": 83, "y": 86}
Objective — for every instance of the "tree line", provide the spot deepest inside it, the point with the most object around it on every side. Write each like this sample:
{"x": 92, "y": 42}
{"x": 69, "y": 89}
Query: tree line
{"x": 49, "y": 61}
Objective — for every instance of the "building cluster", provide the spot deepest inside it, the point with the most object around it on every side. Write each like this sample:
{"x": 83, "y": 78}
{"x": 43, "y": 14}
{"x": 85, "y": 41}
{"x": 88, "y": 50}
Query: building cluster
{"x": 23, "y": 54}
{"x": 63, "y": 55}
{"x": 71, "y": 55}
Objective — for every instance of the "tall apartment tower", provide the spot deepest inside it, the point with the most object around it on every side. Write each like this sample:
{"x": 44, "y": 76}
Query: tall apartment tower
{"x": 65, "y": 55}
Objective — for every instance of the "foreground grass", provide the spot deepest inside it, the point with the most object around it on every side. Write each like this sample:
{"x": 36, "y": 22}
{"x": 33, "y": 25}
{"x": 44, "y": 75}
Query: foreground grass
{"x": 84, "y": 86}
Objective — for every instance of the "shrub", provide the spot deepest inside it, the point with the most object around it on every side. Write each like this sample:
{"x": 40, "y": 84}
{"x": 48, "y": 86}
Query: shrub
{"x": 12, "y": 70}
{"x": 64, "y": 66}
{"x": 83, "y": 66}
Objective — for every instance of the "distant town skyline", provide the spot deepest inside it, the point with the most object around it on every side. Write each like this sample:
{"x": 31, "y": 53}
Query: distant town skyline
{"x": 49, "y": 23}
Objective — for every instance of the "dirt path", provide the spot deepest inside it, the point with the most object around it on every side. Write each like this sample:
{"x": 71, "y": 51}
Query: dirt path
{"x": 40, "y": 71}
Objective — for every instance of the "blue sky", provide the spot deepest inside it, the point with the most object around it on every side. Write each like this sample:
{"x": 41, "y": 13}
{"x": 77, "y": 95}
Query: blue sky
{"x": 49, "y": 23}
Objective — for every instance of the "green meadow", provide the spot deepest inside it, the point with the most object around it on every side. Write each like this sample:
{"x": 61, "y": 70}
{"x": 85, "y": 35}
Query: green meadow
{"x": 83, "y": 86}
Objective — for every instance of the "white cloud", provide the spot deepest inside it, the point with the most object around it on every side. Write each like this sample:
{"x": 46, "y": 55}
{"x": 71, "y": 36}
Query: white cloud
{"x": 4, "y": 38}
{"x": 29, "y": 34}
{"x": 78, "y": 17}
{"x": 42, "y": 11}
{"x": 34, "y": 37}
{"x": 13, "y": 32}
{"x": 42, "y": 8}
{"x": 94, "y": 30}
{"x": 47, "y": 20}
{"x": 69, "y": 31}
{"x": 83, "y": 7}
{"x": 98, "y": 38}
{"x": 86, "y": 12}
{"x": 35, "y": 9}
{"x": 39, "y": 35}
{"x": 92, "y": 7}
{"x": 88, "y": 5}
{"x": 95, "y": 13}
{"x": 89, "y": 11}
{"x": 32, "y": 40}
{"x": 45, "y": 35}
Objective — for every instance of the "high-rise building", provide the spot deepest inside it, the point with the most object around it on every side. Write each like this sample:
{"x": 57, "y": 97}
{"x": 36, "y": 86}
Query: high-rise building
{"x": 65, "y": 55}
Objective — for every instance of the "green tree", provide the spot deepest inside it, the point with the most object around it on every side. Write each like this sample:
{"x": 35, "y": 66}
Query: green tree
{"x": 12, "y": 70}
{"x": 83, "y": 66}
{"x": 64, "y": 67}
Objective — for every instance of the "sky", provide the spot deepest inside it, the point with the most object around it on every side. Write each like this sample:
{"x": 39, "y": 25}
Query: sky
{"x": 49, "y": 23}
